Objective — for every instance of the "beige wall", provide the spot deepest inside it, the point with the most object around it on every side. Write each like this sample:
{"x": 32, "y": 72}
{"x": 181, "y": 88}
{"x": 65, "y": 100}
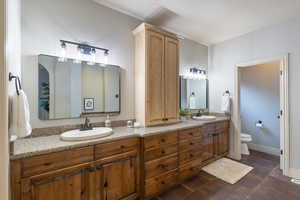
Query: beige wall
{"x": 267, "y": 42}
{"x": 9, "y": 62}
{"x": 45, "y": 22}
{"x": 3, "y": 110}
{"x": 260, "y": 100}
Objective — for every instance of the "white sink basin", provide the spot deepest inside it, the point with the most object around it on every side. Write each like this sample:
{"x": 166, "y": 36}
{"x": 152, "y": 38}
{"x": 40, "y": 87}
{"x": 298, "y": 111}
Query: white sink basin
{"x": 77, "y": 135}
{"x": 205, "y": 117}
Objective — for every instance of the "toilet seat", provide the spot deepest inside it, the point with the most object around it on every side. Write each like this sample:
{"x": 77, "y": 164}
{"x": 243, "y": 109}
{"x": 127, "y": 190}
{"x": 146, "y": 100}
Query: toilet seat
{"x": 246, "y": 137}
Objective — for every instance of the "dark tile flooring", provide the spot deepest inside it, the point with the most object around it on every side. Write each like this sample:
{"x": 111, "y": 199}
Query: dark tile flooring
{"x": 264, "y": 182}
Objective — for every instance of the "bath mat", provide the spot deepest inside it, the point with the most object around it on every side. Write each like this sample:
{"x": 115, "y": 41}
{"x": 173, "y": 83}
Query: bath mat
{"x": 227, "y": 170}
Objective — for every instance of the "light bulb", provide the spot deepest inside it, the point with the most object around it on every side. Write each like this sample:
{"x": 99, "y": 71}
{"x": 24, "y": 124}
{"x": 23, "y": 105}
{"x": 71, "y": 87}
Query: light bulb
{"x": 92, "y": 60}
{"x": 79, "y": 56}
{"x": 106, "y": 57}
{"x": 63, "y": 53}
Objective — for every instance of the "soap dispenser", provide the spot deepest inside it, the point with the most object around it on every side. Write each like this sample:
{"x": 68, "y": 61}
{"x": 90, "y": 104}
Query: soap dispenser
{"x": 107, "y": 121}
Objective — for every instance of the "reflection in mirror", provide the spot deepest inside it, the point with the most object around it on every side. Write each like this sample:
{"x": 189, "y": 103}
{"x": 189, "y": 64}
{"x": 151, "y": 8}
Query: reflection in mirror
{"x": 70, "y": 90}
{"x": 193, "y": 94}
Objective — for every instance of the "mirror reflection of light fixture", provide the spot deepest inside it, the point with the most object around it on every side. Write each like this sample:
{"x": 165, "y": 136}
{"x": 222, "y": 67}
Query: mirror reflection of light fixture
{"x": 84, "y": 52}
{"x": 195, "y": 73}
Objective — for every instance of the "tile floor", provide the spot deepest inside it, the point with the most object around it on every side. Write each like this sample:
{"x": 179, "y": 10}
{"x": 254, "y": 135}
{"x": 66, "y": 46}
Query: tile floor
{"x": 264, "y": 182}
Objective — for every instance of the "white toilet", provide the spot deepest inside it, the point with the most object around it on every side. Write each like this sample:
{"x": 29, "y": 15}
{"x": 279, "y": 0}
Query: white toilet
{"x": 245, "y": 138}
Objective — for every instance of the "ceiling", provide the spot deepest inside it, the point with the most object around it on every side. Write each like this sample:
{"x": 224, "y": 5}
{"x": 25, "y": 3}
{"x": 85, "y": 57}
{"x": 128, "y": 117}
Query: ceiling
{"x": 208, "y": 21}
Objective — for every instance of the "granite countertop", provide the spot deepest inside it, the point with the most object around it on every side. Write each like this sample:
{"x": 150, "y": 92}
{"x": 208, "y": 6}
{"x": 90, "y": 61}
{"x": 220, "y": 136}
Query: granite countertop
{"x": 28, "y": 147}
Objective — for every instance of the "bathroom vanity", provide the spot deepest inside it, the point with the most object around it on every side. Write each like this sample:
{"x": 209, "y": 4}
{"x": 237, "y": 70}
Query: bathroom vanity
{"x": 130, "y": 164}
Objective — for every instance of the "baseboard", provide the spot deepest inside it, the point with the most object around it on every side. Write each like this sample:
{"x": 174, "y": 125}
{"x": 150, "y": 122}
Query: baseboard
{"x": 234, "y": 156}
{"x": 294, "y": 173}
{"x": 265, "y": 149}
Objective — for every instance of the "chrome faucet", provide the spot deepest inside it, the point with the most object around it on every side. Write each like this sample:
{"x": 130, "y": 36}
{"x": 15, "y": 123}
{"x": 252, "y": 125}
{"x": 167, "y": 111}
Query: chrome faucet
{"x": 86, "y": 126}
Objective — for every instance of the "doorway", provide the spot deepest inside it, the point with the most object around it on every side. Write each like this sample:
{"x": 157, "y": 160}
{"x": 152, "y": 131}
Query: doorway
{"x": 283, "y": 111}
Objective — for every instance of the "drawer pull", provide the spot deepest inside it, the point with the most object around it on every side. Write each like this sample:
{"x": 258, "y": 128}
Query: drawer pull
{"x": 191, "y": 133}
{"x": 192, "y": 168}
{"x": 191, "y": 155}
{"x": 162, "y": 166}
{"x": 191, "y": 143}
{"x": 163, "y": 140}
{"x": 47, "y": 164}
{"x": 122, "y": 146}
{"x": 163, "y": 152}
{"x": 162, "y": 182}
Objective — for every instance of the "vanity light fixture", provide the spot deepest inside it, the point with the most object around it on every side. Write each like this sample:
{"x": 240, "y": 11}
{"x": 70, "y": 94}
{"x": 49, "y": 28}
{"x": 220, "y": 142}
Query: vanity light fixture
{"x": 195, "y": 73}
{"x": 84, "y": 52}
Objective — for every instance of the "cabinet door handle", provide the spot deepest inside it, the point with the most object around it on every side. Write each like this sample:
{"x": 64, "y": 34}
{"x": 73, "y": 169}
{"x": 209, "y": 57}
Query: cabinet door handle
{"x": 163, "y": 152}
{"x": 163, "y": 140}
{"x": 162, "y": 182}
{"x": 191, "y": 155}
{"x": 162, "y": 166}
{"x": 105, "y": 184}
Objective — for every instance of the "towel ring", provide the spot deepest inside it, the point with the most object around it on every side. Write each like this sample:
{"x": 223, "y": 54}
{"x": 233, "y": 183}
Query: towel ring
{"x": 17, "y": 82}
{"x": 226, "y": 92}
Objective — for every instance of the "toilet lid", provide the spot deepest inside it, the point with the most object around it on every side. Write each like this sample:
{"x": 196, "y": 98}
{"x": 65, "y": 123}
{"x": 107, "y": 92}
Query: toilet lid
{"x": 246, "y": 136}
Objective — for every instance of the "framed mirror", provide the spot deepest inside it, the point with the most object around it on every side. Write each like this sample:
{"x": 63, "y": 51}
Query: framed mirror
{"x": 70, "y": 89}
{"x": 193, "y": 94}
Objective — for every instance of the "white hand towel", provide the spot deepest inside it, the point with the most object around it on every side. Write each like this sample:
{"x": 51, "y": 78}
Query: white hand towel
{"x": 225, "y": 107}
{"x": 20, "y": 120}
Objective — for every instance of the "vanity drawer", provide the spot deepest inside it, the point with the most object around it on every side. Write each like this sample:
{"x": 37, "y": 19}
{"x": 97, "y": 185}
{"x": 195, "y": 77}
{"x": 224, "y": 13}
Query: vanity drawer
{"x": 160, "y": 152}
{"x": 159, "y": 166}
{"x": 161, "y": 183}
{"x": 195, "y": 143}
{"x": 117, "y": 147}
{"x": 189, "y": 133}
{"x": 162, "y": 139}
{"x": 44, "y": 163}
{"x": 188, "y": 156}
{"x": 189, "y": 170}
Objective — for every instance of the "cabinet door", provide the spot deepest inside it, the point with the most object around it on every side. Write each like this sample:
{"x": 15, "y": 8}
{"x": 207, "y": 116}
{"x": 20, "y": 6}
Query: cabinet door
{"x": 155, "y": 74}
{"x": 68, "y": 184}
{"x": 222, "y": 143}
{"x": 120, "y": 179}
{"x": 208, "y": 147}
{"x": 171, "y": 79}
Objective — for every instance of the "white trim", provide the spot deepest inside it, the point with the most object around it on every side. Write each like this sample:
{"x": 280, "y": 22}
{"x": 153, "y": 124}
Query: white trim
{"x": 294, "y": 173}
{"x": 265, "y": 149}
{"x": 284, "y": 106}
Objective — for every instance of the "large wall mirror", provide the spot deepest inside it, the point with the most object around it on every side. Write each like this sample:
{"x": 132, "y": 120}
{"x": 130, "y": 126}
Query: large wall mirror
{"x": 71, "y": 90}
{"x": 193, "y": 94}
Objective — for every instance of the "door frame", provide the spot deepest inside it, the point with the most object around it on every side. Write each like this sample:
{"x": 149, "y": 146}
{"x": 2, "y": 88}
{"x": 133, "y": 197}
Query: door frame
{"x": 4, "y": 144}
{"x": 284, "y": 106}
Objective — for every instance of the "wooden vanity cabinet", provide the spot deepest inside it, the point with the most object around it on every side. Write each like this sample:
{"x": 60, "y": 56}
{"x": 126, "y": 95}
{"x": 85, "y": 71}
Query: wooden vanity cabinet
{"x": 190, "y": 152}
{"x": 80, "y": 174}
{"x": 115, "y": 178}
{"x": 156, "y": 76}
{"x": 66, "y": 184}
{"x": 129, "y": 169}
{"x": 159, "y": 163}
